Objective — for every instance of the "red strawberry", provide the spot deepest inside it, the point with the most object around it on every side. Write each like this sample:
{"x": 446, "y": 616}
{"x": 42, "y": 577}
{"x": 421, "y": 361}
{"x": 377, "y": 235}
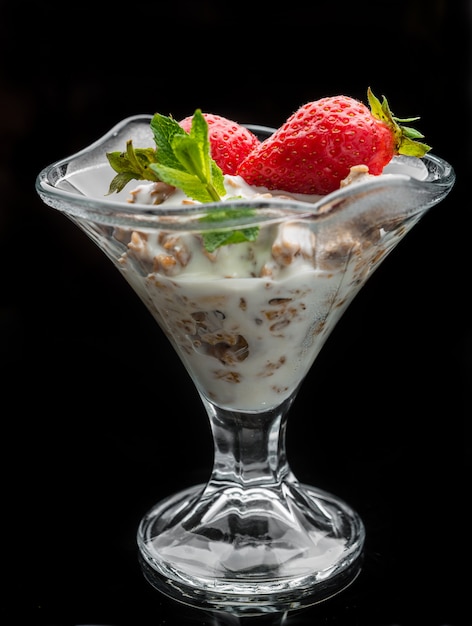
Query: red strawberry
{"x": 316, "y": 147}
{"x": 230, "y": 142}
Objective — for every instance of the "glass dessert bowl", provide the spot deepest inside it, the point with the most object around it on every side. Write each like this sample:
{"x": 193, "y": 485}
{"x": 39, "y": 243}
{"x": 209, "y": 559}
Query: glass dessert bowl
{"x": 247, "y": 321}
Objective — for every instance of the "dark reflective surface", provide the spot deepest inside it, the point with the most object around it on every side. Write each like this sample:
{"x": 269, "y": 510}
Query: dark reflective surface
{"x": 99, "y": 420}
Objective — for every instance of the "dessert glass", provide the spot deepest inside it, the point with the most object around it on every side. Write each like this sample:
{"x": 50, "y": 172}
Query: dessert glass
{"x": 247, "y": 321}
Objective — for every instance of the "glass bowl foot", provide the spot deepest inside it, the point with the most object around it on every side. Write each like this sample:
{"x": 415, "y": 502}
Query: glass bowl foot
{"x": 251, "y": 551}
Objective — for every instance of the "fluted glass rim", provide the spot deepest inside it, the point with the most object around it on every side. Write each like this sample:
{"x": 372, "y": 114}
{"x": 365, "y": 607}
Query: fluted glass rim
{"x": 52, "y": 185}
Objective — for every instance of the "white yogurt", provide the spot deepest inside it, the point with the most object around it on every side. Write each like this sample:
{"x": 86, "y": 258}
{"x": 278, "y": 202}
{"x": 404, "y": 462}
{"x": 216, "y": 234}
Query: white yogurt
{"x": 249, "y": 319}
{"x": 247, "y": 326}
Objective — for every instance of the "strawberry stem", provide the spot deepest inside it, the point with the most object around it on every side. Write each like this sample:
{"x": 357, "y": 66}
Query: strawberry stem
{"x": 405, "y": 137}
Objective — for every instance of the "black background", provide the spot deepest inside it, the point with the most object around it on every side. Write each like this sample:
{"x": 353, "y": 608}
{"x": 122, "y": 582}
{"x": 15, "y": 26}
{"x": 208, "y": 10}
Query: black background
{"x": 99, "y": 419}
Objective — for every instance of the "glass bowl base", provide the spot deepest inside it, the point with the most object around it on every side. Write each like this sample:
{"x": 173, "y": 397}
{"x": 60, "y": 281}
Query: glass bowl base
{"x": 197, "y": 548}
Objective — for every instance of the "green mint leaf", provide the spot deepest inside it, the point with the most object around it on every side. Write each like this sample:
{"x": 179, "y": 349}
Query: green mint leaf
{"x": 183, "y": 180}
{"x": 189, "y": 153}
{"x": 213, "y": 239}
{"x": 131, "y": 165}
{"x": 216, "y": 238}
{"x": 164, "y": 130}
{"x": 120, "y": 181}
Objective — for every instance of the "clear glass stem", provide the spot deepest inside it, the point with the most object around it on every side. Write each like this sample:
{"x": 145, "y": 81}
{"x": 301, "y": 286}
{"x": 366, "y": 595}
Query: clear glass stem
{"x": 249, "y": 447}
{"x": 253, "y": 532}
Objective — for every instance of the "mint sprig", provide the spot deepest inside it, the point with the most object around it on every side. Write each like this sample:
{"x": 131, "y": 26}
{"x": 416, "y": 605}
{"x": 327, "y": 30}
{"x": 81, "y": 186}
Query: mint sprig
{"x": 131, "y": 165}
{"x": 181, "y": 160}
{"x": 213, "y": 239}
{"x": 184, "y": 159}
